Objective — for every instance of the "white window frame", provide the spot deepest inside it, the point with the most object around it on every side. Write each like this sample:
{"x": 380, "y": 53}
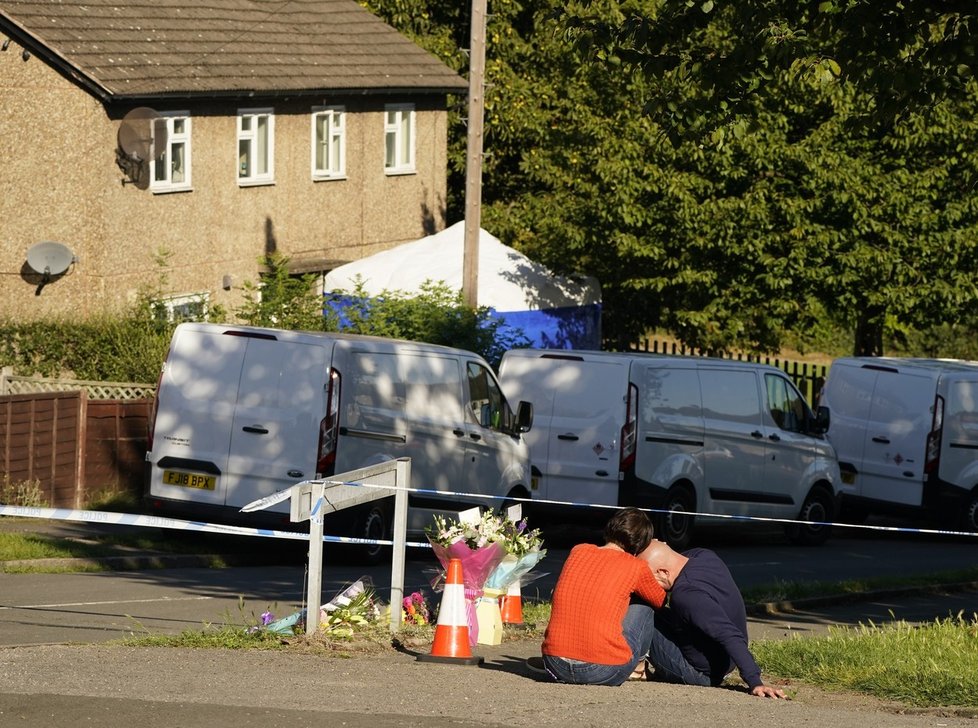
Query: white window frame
{"x": 333, "y": 147}
{"x": 251, "y": 140}
{"x": 399, "y": 138}
{"x": 177, "y": 124}
{"x": 172, "y": 305}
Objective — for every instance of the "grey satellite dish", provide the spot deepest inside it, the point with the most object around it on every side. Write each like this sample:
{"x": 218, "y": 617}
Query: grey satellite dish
{"x": 50, "y": 259}
{"x": 142, "y": 134}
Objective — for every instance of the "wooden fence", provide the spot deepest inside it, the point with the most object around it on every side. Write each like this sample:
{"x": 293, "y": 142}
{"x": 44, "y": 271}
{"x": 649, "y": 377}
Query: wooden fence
{"x": 73, "y": 446}
{"x": 809, "y": 378}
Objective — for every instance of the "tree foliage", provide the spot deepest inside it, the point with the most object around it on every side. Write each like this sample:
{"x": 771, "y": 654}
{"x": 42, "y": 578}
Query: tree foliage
{"x": 737, "y": 172}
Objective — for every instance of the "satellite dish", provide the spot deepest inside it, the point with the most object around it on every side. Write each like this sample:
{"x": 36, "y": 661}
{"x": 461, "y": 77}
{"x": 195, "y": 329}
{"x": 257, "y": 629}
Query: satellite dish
{"x": 50, "y": 259}
{"x": 142, "y": 134}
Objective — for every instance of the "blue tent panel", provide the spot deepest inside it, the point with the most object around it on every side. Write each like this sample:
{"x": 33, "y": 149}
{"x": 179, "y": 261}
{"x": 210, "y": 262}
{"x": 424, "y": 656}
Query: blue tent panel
{"x": 568, "y": 327}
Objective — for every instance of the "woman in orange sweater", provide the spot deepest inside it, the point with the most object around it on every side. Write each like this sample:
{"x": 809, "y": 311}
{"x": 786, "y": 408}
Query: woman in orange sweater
{"x": 601, "y": 621}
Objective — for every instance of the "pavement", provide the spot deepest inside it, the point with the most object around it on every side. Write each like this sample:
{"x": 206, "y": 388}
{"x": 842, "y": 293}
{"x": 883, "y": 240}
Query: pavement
{"x": 111, "y": 685}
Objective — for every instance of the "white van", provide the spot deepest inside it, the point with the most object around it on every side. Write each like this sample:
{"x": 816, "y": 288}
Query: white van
{"x": 906, "y": 432}
{"x": 674, "y": 433}
{"x": 243, "y": 412}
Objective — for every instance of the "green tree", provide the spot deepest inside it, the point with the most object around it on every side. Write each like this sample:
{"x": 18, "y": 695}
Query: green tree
{"x": 435, "y": 314}
{"x": 732, "y": 172}
{"x": 284, "y": 301}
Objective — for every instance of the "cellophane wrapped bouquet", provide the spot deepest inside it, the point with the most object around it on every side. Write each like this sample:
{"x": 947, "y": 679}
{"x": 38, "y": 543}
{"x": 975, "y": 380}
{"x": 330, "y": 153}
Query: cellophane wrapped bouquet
{"x": 478, "y": 541}
{"x": 524, "y": 549}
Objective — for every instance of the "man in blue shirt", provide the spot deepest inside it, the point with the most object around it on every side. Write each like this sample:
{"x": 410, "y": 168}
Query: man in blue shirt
{"x": 702, "y": 635}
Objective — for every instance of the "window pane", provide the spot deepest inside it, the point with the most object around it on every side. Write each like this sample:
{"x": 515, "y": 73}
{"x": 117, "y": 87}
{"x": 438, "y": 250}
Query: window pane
{"x": 390, "y": 152}
{"x": 334, "y": 155}
{"x": 322, "y": 152}
{"x": 262, "y": 151}
{"x": 245, "y": 123}
{"x": 405, "y": 140}
{"x": 244, "y": 158}
{"x": 159, "y": 168}
{"x": 178, "y": 174}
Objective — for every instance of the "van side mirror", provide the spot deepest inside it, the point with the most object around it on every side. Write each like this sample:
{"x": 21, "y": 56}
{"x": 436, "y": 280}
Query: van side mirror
{"x": 524, "y": 416}
{"x": 821, "y": 424}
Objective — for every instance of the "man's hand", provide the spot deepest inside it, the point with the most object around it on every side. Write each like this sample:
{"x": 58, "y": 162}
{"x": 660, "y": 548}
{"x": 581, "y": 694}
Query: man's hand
{"x": 766, "y": 691}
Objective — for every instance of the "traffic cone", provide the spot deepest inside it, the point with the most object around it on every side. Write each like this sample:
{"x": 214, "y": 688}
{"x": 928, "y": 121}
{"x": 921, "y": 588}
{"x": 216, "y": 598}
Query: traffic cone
{"x": 511, "y": 604}
{"x": 452, "y": 630}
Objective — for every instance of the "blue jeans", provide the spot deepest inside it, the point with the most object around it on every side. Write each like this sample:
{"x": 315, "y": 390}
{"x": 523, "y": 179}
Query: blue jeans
{"x": 668, "y": 660}
{"x": 637, "y": 628}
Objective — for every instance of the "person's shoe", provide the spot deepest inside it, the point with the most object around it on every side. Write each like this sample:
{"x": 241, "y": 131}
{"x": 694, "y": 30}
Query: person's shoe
{"x": 638, "y": 673}
{"x": 535, "y": 664}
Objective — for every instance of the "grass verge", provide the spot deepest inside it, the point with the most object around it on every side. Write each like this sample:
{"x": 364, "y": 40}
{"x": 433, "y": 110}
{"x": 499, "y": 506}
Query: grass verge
{"x": 38, "y": 553}
{"x": 930, "y": 665}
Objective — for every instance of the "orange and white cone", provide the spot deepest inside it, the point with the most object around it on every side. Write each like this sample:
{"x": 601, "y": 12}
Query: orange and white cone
{"x": 451, "y": 642}
{"x": 511, "y": 604}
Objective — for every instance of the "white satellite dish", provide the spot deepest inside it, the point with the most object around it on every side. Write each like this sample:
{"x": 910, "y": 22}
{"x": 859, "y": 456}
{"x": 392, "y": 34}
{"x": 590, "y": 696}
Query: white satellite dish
{"x": 142, "y": 134}
{"x": 49, "y": 258}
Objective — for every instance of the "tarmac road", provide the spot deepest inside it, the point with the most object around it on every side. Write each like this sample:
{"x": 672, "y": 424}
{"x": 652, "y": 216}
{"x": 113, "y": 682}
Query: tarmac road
{"x": 106, "y": 685}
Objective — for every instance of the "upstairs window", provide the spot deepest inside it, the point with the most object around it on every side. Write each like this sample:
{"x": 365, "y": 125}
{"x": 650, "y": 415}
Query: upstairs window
{"x": 399, "y": 138}
{"x": 256, "y": 147}
{"x": 328, "y": 142}
{"x": 170, "y": 172}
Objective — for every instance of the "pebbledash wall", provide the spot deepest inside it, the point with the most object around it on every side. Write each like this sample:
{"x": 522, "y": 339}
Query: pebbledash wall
{"x": 59, "y": 181}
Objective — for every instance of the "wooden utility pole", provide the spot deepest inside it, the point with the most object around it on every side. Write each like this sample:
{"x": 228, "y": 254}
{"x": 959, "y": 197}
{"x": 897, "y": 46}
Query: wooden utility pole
{"x": 473, "y": 164}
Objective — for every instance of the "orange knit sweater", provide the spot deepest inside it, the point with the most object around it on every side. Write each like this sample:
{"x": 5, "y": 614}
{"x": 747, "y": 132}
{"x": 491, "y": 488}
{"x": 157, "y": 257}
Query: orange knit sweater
{"x": 589, "y": 603}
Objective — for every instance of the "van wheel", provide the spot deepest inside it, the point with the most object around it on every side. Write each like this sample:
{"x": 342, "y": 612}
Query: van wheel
{"x": 676, "y": 529}
{"x": 372, "y": 521}
{"x": 817, "y": 507}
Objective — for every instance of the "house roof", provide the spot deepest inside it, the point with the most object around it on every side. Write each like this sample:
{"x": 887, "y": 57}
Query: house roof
{"x": 151, "y": 48}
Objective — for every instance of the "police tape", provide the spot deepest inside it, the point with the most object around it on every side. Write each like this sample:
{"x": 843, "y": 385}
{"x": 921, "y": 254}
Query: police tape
{"x": 145, "y": 521}
{"x": 698, "y": 514}
{"x": 150, "y": 521}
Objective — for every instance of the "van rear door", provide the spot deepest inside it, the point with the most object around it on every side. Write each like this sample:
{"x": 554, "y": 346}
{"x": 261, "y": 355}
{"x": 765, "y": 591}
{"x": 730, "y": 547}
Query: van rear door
{"x": 195, "y": 409}
{"x": 274, "y": 434}
{"x": 585, "y": 429}
{"x": 896, "y": 436}
{"x": 959, "y": 445}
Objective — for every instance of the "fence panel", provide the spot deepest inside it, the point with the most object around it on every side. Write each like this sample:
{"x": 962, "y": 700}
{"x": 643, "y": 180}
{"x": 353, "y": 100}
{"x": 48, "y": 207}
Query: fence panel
{"x": 115, "y": 446}
{"x": 40, "y": 439}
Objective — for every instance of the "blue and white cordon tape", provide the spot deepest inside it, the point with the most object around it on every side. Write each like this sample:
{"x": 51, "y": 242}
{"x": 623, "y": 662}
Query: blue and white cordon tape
{"x": 149, "y": 521}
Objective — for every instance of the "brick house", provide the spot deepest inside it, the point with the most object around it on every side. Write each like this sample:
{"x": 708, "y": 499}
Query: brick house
{"x": 307, "y": 127}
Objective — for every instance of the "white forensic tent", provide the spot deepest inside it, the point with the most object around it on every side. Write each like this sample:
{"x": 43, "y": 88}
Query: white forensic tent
{"x": 553, "y": 312}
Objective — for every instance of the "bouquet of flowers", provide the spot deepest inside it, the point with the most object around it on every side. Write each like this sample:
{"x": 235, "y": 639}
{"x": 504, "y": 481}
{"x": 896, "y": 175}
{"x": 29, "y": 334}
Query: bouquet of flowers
{"x": 477, "y": 540}
{"x": 415, "y": 609}
{"x": 523, "y": 552}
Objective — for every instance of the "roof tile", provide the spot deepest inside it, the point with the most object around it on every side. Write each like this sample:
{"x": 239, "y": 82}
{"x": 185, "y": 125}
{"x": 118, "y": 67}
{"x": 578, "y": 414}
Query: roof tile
{"x": 200, "y": 47}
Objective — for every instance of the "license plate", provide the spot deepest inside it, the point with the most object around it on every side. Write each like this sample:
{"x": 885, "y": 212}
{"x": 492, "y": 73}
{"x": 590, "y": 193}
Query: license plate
{"x": 189, "y": 480}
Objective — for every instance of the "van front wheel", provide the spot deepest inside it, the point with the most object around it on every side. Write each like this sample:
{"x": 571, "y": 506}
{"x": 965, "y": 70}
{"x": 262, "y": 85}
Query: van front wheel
{"x": 818, "y": 507}
{"x": 372, "y": 521}
{"x": 676, "y": 529}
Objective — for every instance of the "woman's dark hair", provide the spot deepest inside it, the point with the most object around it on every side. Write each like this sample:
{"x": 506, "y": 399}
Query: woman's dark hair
{"x": 631, "y": 529}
